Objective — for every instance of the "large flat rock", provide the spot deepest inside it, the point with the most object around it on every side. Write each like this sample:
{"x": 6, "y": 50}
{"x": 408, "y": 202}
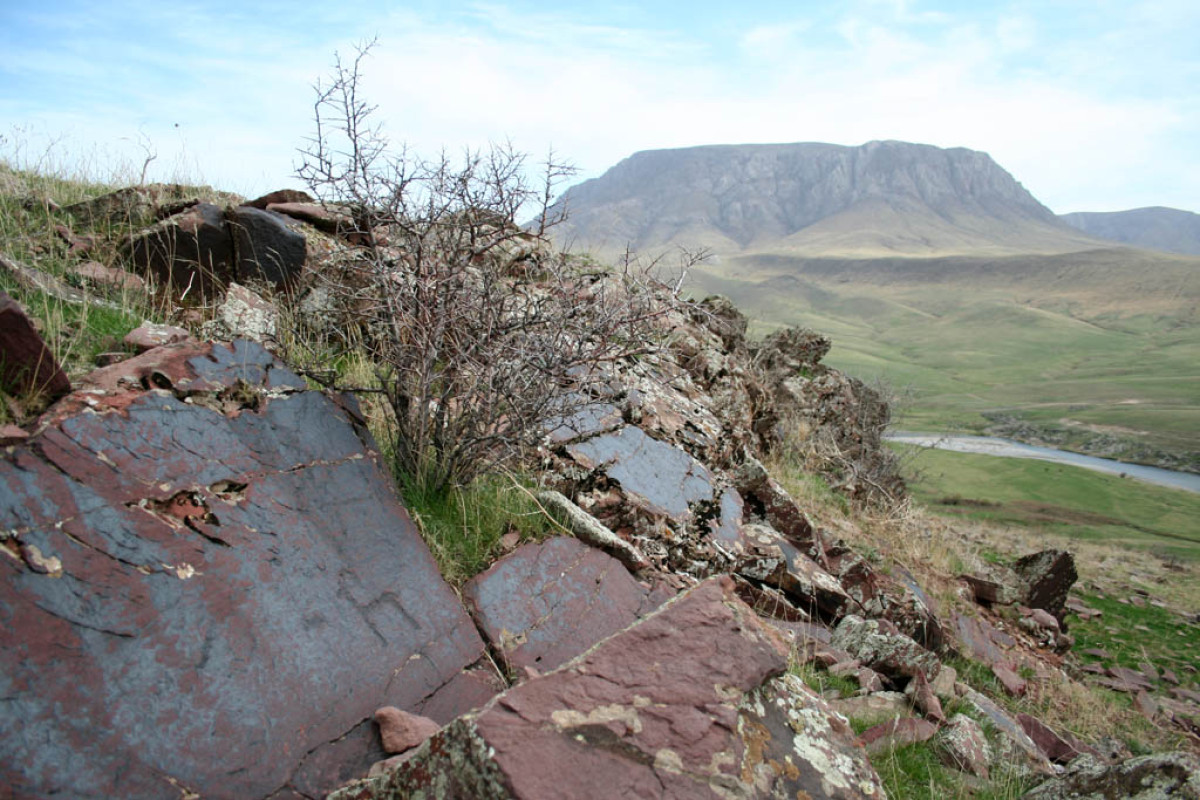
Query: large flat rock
{"x": 549, "y": 601}
{"x": 691, "y": 702}
{"x": 211, "y": 587}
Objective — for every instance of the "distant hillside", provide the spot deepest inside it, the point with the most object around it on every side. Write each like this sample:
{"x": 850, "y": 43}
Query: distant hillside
{"x": 879, "y": 199}
{"x": 1157, "y": 228}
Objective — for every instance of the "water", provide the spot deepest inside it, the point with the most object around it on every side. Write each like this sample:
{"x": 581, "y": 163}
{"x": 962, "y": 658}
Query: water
{"x": 987, "y": 445}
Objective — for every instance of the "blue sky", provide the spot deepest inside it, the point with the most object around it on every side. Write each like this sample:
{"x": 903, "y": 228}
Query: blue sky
{"x": 1092, "y": 105}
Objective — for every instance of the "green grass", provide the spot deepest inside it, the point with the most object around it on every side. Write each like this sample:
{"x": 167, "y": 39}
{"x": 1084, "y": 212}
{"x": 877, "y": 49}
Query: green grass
{"x": 1063, "y": 499}
{"x": 463, "y": 525}
{"x": 1133, "y": 634}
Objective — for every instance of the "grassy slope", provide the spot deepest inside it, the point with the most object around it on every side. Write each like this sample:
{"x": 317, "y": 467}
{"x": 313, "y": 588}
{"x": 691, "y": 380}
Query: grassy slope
{"x": 1062, "y": 499}
{"x": 1059, "y": 345}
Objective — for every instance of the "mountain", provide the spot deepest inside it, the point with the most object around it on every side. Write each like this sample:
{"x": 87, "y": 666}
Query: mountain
{"x": 1157, "y": 228}
{"x": 879, "y": 199}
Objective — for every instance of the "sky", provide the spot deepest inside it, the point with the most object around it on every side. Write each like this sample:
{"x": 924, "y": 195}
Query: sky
{"x": 1092, "y": 105}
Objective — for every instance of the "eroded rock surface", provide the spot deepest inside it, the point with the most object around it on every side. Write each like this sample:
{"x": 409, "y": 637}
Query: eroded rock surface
{"x": 686, "y": 704}
{"x": 189, "y": 566}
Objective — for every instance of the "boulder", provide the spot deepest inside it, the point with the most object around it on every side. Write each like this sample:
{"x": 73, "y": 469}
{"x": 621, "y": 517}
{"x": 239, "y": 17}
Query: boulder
{"x": 215, "y": 588}
{"x": 1048, "y": 576}
{"x": 690, "y": 702}
{"x": 266, "y": 247}
{"x": 242, "y": 314}
{"x": 878, "y": 645}
{"x": 1175, "y": 775}
{"x": 323, "y": 218}
{"x": 191, "y": 252}
{"x": 773, "y": 560}
{"x": 27, "y": 366}
{"x": 279, "y": 196}
{"x": 549, "y": 601}
{"x": 962, "y": 744}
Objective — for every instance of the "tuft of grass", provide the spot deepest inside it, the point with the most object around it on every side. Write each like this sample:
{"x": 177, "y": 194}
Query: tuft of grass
{"x": 463, "y": 525}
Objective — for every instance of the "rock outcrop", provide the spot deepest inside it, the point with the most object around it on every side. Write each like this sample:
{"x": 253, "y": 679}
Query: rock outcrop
{"x": 689, "y": 703}
{"x": 195, "y": 544}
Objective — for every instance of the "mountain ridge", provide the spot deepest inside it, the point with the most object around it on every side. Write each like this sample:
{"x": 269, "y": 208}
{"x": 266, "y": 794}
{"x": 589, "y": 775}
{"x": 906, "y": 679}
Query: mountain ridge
{"x": 1172, "y": 230}
{"x": 808, "y": 198}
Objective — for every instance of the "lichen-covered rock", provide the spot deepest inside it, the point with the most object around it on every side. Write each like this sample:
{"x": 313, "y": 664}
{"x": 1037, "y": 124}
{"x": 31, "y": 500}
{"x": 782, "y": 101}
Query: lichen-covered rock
{"x": 1153, "y": 777}
{"x": 685, "y": 704}
{"x": 1048, "y": 576}
{"x": 1014, "y": 745}
{"x": 962, "y": 745}
{"x": 896, "y": 733}
{"x": 213, "y": 588}
{"x": 773, "y": 560}
{"x": 883, "y": 648}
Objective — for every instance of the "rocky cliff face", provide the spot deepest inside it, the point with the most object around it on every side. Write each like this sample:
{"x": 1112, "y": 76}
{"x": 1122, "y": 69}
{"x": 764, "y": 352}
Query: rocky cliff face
{"x": 735, "y": 197}
{"x": 1156, "y": 228}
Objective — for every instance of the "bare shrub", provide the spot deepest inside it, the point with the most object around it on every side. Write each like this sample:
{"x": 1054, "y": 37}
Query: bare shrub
{"x": 480, "y": 331}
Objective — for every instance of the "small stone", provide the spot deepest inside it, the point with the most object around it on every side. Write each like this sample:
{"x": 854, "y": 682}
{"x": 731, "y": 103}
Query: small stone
{"x": 896, "y": 733}
{"x": 148, "y": 335}
{"x": 1146, "y": 705}
{"x": 1013, "y": 684}
{"x": 869, "y": 680}
{"x": 387, "y": 765}
{"x": 1096, "y": 652}
{"x": 1044, "y": 619}
{"x": 96, "y": 273}
{"x": 1053, "y": 746}
{"x": 401, "y": 730}
{"x": 943, "y": 682}
{"x": 924, "y": 698}
{"x": 845, "y": 668}
{"x": 1170, "y": 677}
{"x": 873, "y": 708}
{"x": 12, "y": 434}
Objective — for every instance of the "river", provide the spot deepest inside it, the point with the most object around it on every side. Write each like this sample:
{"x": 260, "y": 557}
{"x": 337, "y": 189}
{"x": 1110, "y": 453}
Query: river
{"x": 987, "y": 445}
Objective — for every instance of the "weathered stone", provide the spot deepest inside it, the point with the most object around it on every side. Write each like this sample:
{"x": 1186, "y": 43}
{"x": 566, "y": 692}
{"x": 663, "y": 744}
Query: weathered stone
{"x": 943, "y": 682}
{"x": 190, "y": 252}
{"x": 924, "y": 699}
{"x": 1053, "y": 746}
{"x": 133, "y": 205}
{"x": 149, "y": 335}
{"x": 97, "y": 274}
{"x": 1048, "y": 576}
{"x": 26, "y": 364}
{"x": 680, "y": 705}
{"x": 1044, "y": 619}
{"x": 981, "y": 640}
{"x": 279, "y": 196}
{"x": 400, "y": 730}
{"x": 869, "y": 681}
{"x": 897, "y": 733}
{"x": 961, "y": 744}
{"x": 589, "y": 529}
{"x": 323, "y": 218}
{"x": 1015, "y": 746}
{"x": 1163, "y": 775}
{"x": 1012, "y": 683}
{"x": 224, "y": 563}
{"x": 549, "y": 601}
{"x": 990, "y": 592}
{"x": 266, "y": 247}
{"x": 767, "y": 499}
{"x": 242, "y": 314}
{"x": 1129, "y": 680}
{"x": 12, "y": 434}
{"x": 883, "y": 648}
{"x": 872, "y": 709}
{"x": 1145, "y": 704}
{"x": 664, "y": 478}
{"x": 588, "y": 420}
{"x": 773, "y": 560}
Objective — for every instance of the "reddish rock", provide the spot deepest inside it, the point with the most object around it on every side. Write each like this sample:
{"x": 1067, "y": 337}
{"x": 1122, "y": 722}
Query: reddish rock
{"x": 400, "y": 730}
{"x": 981, "y": 640}
{"x": 1053, "y": 746}
{"x": 769, "y": 500}
{"x": 1043, "y": 619}
{"x": 12, "y": 434}
{"x": 1170, "y": 677}
{"x": 99, "y": 275}
{"x": 279, "y": 196}
{"x": 1012, "y": 683}
{"x": 1146, "y": 705}
{"x": 773, "y": 560}
{"x": 1096, "y": 652}
{"x": 76, "y": 245}
{"x": 897, "y": 733}
{"x": 1048, "y": 576}
{"x": 874, "y": 708}
{"x": 924, "y": 698}
{"x": 962, "y": 744}
{"x": 193, "y": 571}
{"x": 683, "y": 704}
{"x": 191, "y": 252}
{"x": 768, "y": 602}
{"x": 320, "y": 217}
{"x": 149, "y": 335}
{"x": 1130, "y": 679}
{"x": 549, "y": 601}
{"x": 266, "y": 247}
{"x": 26, "y": 364}
{"x": 1014, "y": 744}
{"x": 869, "y": 680}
